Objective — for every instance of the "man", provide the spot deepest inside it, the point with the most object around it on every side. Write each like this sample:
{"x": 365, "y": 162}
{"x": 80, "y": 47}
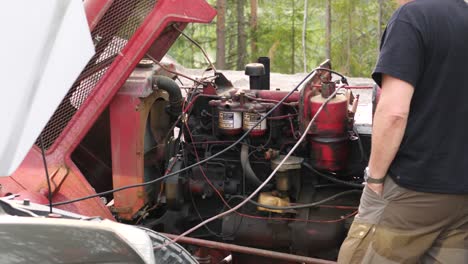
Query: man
{"x": 414, "y": 208}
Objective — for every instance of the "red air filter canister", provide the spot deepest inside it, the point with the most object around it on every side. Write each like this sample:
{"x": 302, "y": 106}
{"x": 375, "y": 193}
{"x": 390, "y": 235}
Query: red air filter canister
{"x": 333, "y": 120}
{"x": 329, "y": 153}
{"x": 329, "y": 134}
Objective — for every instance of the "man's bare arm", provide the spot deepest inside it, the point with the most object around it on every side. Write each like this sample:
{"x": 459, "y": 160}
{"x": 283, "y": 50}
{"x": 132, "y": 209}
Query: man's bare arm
{"x": 389, "y": 126}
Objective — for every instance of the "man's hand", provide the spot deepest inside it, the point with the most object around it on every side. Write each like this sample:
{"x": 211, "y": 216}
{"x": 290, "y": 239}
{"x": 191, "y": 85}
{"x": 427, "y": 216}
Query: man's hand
{"x": 376, "y": 187}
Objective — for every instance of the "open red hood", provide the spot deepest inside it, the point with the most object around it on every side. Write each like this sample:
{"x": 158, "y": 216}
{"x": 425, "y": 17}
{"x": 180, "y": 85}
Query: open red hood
{"x": 123, "y": 31}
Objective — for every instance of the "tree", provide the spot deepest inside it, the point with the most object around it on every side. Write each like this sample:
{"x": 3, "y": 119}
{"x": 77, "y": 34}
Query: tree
{"x": 328, "y": 26}
{"x": 293, "y": 36}
{"x": 221, "y": 34}
{"x": 304, "y": 36}
{"x": 379, "y": 25}
{"x": 349, "y": 51}
{"x": 344, "y": 30}
{"x": 253, "y": 28}
{"x": 241, "y": 36}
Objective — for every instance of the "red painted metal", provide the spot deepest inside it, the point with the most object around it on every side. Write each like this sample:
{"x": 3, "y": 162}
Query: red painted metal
{"x": 153, "y": 35}
{"x": 356, "y": 87}
{"x": 310, "y": 91}
{"x": 278, "y": 95}
{"x": 329, "y": 134}
{"x": 95, "y": 10}
{"x": 129, "y": 110}
{"x": 330, "y": 155}
{"x": 127, "y": 134}
{"x": 333, "y": 120}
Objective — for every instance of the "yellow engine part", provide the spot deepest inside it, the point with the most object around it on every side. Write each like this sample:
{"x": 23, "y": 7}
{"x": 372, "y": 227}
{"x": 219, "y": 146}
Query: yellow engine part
{"x": 268, "y": 198}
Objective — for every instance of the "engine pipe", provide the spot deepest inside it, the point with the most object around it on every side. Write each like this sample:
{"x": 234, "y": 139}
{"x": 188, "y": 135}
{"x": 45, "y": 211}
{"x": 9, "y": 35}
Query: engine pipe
{"x": 277, "y": 95}
{"x": 265, "y": 79}
{"x": 173, "y": 89}
{"x": 249, "y": 173}
{"x": 248, "y": 250}
{"x": 331, "y": 178}
{"x": 255, "y": 71}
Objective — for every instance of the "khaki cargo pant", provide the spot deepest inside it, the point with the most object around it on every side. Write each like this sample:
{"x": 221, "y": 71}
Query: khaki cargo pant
{"x": 404, "y": 226}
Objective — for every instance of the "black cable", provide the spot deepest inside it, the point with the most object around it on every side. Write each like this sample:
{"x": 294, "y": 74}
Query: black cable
{"x": 239, "y": 140}
{"x": 331, "y": 178}
{"x": 300, "y": 206}
{"x": 361, "y": 147}
{"x": 195, "y": 208}
{"x": 326, "y": 185}
{"x": 47, "y": 174}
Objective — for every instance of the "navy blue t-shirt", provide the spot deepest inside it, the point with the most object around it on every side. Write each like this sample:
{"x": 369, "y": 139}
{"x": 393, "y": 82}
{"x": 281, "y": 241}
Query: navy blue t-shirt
{"x": 426, "y": 45}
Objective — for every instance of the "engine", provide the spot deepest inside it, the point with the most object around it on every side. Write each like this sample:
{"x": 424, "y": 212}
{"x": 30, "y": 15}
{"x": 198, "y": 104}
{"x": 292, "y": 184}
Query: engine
{"x": 308, "y": 206}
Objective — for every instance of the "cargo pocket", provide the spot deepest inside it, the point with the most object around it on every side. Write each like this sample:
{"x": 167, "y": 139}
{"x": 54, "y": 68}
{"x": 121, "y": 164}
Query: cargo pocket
{"x": 371, "y": 207}
{"x": 356, "y": 243}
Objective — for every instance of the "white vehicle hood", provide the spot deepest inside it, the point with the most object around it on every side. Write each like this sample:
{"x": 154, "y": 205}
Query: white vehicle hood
{"x": 44, "y": 47}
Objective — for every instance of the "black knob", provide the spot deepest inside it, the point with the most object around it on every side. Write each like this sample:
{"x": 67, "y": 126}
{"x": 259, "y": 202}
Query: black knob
{"x": 254, "y": 69}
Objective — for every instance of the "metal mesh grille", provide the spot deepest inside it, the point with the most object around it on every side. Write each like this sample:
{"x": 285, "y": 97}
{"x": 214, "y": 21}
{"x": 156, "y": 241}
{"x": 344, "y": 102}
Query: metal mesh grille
{"x": 110, "y": 36}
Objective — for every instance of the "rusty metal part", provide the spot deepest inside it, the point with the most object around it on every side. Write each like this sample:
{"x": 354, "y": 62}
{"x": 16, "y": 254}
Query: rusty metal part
{"x": 268, "y": 198}
{"x": 253, "y": 112}
{"x": 129, "y": 111}
{"x": 327, "y": 89}
{"x": 282, "y": 181}
{"x": 202, "y": 255}
{"x": 287, "y": 173}
{"x": 229, "y": 116}
{"x": 249, "y": 250}
{"x": 271, "y": 154}
{"x": 292, "y": 163}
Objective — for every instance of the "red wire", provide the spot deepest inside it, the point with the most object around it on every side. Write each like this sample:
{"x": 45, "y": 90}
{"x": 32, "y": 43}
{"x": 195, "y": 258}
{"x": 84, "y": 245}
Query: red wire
{"x": 292, "y": 128}
{"x": 186, "y": 109}
{"x": 359, "y": 87}
{"x": 254, "y": 216}
{"x": 281, "y": 117}
{"x": 301, "y": 219}
{"x": 341, "y": 207}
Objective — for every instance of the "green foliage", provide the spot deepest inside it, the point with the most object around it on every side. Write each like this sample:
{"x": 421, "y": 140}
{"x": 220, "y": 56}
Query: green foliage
{"x": 279, "y": 35}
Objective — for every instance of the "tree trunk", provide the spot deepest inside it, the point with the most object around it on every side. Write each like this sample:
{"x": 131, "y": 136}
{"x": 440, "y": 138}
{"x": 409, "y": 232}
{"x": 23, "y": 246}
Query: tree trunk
{"x": 293, "y": 36}
{"x": 304, "y": 36}
{"x": 253, "y": 28}
{"x": 348, "y": 44}
{"x": 221, "y": 34}
{"x": 379, "y": 28}
{"x": 241, "y": 35}
{"x": 328, "y": 29}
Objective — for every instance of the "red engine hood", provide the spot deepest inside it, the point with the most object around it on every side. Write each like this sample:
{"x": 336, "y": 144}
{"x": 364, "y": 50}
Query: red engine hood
{"x": 123, "y": 31}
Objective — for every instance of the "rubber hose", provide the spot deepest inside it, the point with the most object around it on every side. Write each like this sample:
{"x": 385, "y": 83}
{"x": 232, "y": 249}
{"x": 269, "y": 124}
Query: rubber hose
{"x": 249, "y": 173}
{"x": 331, "y": 178}
{"x": 301, "y": 206}
{"x": 173, "y": 89}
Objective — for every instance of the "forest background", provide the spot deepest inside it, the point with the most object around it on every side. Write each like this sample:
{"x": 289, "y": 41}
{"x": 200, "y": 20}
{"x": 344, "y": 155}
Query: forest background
{"x": 296, "y": 34}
